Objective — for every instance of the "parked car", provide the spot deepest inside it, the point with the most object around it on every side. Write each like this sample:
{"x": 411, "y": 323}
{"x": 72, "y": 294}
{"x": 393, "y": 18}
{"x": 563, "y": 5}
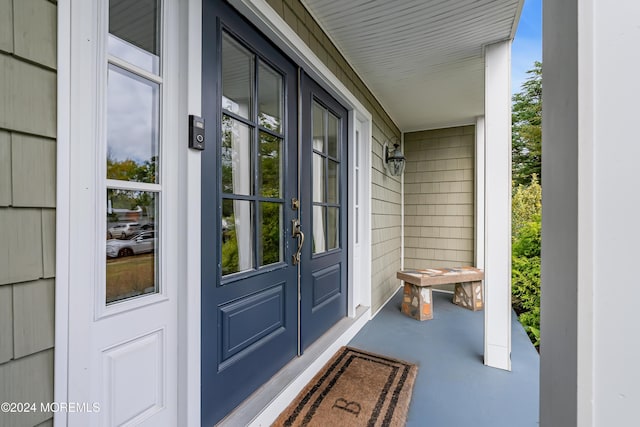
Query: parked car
{"x": 141, "y": 243}
{"x": 148, "y": 226}
{"x": 121, "y": 231}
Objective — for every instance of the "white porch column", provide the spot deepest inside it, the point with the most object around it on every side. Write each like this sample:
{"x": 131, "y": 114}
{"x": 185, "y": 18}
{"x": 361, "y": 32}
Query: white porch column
{"x": 479, "y": 191}
{"x": 497, "y": 312}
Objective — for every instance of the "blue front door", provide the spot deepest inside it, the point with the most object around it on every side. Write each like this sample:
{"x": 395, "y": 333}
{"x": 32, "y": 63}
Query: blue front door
{"x": 249, "y": 176}
{"x": 260, "y": 306}
{"x": 323, "y": 275}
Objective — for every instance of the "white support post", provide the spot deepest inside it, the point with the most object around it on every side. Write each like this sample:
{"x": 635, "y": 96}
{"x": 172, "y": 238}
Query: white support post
{"x": 479, "y": 193}
{"x": 497, "y": 317}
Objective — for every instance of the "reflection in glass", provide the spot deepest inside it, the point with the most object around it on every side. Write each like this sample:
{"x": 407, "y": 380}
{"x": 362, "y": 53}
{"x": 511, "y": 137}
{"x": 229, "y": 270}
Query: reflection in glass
{"x": 318, "y": 230}
{"x": 269, "y": 98}
{"x": 318, "y": 127}
{"x": 132, "y": 262}
{"x": 236, "y": 157}
{"x": 237, "y": 77}
{"x": 332, "y": 136}
{"x": 134, "y": 27}
{"x": 133, "y": 54}
{"x": 133, "y": 105}
{"x": 333, "y": 228}
{"x": 333, "y": 182}
{"x": 237, "y": 232}
{"x": 270, "y": 165}
{"x": 318, "y": 178}
{"x": 270, "y": 239}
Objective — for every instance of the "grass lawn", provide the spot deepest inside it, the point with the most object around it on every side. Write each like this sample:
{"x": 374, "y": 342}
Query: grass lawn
{"x": 130, "y": 276}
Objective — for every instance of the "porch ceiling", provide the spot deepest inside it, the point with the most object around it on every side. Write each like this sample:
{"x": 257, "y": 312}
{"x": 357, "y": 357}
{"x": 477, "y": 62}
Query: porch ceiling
{"x": 422, "y": 59}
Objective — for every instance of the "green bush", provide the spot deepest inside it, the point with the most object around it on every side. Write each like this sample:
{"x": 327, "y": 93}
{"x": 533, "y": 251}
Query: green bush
{"x": 526, "y": 205}
{"x": 525, "y": 278}
{"x": 525, "y": 287}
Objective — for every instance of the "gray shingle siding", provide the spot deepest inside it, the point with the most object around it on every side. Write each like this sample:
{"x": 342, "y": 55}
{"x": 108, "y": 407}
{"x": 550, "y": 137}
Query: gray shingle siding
{"x": 27, "y": 205}
{"x": 439, "y": 198}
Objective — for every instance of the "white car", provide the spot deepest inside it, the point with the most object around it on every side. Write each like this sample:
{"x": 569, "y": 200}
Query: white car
{"x": 141, "y": 243}
{"x": 122, "y": 231}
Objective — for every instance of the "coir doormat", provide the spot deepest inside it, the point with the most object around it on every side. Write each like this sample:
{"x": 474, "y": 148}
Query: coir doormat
{"x": 355, "y": 388}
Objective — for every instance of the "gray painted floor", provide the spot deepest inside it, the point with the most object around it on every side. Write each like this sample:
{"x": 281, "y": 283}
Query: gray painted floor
{"x": 453, "y": 387}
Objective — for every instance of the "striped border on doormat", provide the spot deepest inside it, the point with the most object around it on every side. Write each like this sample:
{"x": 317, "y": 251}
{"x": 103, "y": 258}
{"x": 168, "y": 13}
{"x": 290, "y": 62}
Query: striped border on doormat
{"x": 355, "y": 388}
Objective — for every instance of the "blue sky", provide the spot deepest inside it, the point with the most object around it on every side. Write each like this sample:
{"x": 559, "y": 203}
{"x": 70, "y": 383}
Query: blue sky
{"x": 527, "y": 45}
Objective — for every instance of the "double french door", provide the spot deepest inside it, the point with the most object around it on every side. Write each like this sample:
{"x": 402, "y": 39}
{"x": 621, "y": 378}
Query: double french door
{"x": 273, "y": 211}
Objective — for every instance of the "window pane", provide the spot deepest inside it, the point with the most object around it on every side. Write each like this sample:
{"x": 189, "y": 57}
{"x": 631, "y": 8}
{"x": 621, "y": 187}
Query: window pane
{"x": 270, "y": 240}
{"x": 318, "y": 127}
{"x": 318, "y": 178}
{"x": 332, "y": 136}
{"x": 333, "y": 228}
{"x": 132, "y": 262}
{"x": 270, "y": 164}
{"x": 333, "y": 185}
{"x": 319, "y": 244}
{"x": 133, "y": 116}
{"x": 236, "y": 157}
{"x": 135, "y": 32}
{"x": 237, "y": 77}
{"x": 270, "y": 96}
{"x": 237, "y": 236}
{"x": 357, "y": 149}
{"x": 357, "y": 225}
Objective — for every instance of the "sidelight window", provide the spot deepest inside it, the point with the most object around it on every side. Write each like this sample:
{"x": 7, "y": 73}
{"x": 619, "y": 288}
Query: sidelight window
{"x": 133, "y": 149}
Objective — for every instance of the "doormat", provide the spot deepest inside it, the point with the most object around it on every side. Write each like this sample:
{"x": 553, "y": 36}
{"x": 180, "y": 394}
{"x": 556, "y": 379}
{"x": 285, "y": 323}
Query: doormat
{"x": 355, "y": 388}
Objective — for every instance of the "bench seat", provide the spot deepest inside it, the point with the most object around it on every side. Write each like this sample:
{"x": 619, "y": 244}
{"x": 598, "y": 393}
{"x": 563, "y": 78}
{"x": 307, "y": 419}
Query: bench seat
{"x": 417, "y": 299}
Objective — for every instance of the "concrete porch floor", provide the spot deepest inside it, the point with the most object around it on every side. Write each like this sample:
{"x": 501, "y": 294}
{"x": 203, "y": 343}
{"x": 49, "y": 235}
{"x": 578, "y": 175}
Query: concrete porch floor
{"x": 453, "y": 387}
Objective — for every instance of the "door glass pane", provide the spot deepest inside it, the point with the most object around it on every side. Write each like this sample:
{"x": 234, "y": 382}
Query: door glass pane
{"x": 357, "y": 225}
{"x": 332, "y": 136}
{"x": 318, "y": 178}
{"x": 357, "y": 149}
{"x": 237, "y": 236}
{"x": 270, "y": 96}
{"x": 333, "y": 182}
{"x": 236, "y": 157}
{"x": 319, "y": 244}
{"x": 133, "y": 116}
{"x": 318, "y": 127}
{"x": 134, "y": 27}
{"x": 333, "y": 228}
{"x": 271, "y": 232}
{"x": 237, "y": 77}
{"x": 132, "y": 242}
{"x": 270, "y": 165}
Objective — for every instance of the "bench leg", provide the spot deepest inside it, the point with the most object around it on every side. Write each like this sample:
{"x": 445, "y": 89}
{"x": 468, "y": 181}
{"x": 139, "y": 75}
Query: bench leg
{"x": 417, "y": 302}
{"x": 469, "y": 295}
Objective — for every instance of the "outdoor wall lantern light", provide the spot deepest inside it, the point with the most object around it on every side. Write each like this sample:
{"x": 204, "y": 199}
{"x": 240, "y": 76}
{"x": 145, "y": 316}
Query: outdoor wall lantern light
{"x": 393, "y": 159}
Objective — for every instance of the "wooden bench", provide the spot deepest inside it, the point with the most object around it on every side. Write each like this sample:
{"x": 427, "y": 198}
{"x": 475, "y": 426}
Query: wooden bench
{"x": 417, "y": 301}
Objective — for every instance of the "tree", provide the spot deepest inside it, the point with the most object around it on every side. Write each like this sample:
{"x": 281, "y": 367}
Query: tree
{"x": 526, "y": 128}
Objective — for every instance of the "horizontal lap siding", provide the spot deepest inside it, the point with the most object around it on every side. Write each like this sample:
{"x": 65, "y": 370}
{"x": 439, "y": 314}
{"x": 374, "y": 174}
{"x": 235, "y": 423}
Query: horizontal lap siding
{"x": 27, "y": 205}
{"x": 386, "y": 191}
{"x": 439, "y": 198}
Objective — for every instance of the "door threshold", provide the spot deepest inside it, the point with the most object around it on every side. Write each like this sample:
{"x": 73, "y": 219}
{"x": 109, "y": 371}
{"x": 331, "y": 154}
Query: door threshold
{"x": 265, "y": 404}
